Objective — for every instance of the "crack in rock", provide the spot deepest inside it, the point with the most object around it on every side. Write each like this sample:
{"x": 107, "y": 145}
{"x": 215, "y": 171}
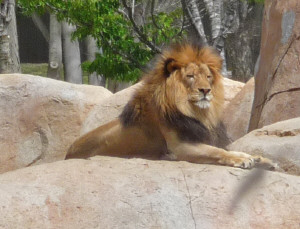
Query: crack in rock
{"x": 190, "y": 199}
{"x": 265, "y": 97}
{"x": 280, "y": 92}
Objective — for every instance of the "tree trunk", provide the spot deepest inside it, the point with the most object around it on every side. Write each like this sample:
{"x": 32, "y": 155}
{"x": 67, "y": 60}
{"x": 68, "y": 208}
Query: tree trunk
{"x": 277, "y": 84}
{"x": 92, "y": 49}
{"x": 55, "y": 49}
{"x": 193, "y": 14}
{"x": 71, "y": 55}
{"x": 41, "y": 26}
{"x": 214, "y": 9}
{"x": 9, "y": 47}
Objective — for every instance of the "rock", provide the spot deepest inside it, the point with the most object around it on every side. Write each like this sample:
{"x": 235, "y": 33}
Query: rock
{"x": 112, "y": 107}
{"x": 277, "y": 84}
{"x": 121, "y": 193}
{"x": 237, "y": 113}
{"x": 40, "y": 118}
{"x": 279, "y": 142}
{"x": 231, "y": 88}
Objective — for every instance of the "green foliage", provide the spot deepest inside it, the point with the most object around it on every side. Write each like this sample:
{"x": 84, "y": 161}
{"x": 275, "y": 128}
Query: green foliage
{"x": 123, "y": 53}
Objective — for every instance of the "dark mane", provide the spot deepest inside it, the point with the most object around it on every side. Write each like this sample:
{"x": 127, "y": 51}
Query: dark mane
{"x": 188, "y": 129}
{"x": 128, "y": 116}
{"x": 193, "y": 131}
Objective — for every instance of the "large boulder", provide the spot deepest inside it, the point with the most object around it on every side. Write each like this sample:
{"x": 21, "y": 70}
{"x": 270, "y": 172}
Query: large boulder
{"x": 40, "y": 118}
{"x": 237, "y": 113}
{"x": 277, "y": 84}
{"x": 122, "y": 193}
{"x": 112, "y": 107}
{"x": 279, "y": 141}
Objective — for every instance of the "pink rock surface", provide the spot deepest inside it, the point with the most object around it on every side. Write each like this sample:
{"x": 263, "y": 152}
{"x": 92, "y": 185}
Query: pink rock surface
{"x": 40, "y": 118}
{"x": 120, "y": 193}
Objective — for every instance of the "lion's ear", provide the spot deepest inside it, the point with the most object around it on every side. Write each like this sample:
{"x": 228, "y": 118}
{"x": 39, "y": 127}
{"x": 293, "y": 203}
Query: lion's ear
{"x": 170, "y": 66}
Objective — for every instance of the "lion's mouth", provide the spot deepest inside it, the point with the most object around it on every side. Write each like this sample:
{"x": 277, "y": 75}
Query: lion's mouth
{"x": 203, "y": 103}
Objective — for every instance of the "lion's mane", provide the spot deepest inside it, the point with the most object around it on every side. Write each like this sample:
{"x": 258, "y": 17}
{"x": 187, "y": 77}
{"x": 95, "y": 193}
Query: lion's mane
{"x": 157, "y": 101}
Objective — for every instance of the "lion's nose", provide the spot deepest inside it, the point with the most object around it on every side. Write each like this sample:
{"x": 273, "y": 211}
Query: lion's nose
{"x": 205, "y": 91}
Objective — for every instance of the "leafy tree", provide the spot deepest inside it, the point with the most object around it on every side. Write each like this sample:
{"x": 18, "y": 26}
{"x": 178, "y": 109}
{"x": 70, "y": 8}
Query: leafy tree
{"x": 126, "y": 44}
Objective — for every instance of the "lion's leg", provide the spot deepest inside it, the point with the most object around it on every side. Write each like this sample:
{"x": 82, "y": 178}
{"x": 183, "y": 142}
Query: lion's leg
{"x": 202, "y": 153}
{"x": 112, "y": 139}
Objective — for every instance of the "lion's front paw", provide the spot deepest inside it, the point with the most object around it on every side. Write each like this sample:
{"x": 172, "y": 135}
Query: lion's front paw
{"x": 246, "y": 163}
{"x": 239, "y": 160}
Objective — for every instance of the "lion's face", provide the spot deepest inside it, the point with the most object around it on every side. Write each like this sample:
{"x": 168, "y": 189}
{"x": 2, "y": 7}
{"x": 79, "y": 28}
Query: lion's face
{"x": 187, "y": 79}
{"x": 198, "y": 81}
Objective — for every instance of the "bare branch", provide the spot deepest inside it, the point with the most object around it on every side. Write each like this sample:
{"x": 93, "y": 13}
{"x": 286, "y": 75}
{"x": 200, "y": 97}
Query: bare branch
{"x": 132, "y": 7}
{"x": 143, "y": 37}
{"x": 153, "y": 18}
{"x": 120, "y": 11}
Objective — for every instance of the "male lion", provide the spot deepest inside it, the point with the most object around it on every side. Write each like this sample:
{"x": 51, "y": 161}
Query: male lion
{"x": 175, "y": 114}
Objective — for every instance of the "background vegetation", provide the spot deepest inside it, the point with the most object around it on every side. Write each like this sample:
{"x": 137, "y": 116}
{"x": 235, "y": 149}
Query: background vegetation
{"x": 129, "y": 33}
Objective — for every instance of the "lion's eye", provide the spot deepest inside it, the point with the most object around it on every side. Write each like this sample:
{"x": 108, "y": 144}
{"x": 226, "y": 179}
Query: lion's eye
{"x": 190, "y": 76}
{"x": 209, "y": 77}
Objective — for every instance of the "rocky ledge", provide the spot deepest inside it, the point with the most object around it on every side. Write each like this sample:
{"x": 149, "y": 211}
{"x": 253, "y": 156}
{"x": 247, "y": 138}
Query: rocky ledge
{"x": 135, "y": 193}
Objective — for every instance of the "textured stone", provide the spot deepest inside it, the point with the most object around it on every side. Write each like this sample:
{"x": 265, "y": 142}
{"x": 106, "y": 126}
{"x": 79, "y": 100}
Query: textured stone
{"x": 277, "y": 84}
{"x": 237, "y": 113}
{"x": 121, "y": 193}
{"x": 40, "y": 118}
{"x": 231, "y": 89}
{"x": 279, "y": 142}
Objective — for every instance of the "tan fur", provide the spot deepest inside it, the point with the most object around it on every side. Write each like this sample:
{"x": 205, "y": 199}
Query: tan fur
{"x": 178, "y": 82}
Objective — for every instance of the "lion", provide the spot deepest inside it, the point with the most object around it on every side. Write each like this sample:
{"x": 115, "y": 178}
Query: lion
{"x": 175, "y": 115}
